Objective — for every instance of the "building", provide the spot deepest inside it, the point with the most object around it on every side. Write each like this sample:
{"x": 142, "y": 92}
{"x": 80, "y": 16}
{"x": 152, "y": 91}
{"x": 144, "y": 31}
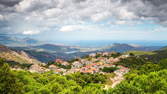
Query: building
{"x": 77, "y": 64}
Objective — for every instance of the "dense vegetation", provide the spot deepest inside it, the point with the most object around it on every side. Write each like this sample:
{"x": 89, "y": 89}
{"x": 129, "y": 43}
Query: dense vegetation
{"x": 24, "y": 82}
{"x": 145, "y": 77}
{"x": 109, "y": 69}
{"x": 14, "y": 64}
{"x": 132, "y": 62}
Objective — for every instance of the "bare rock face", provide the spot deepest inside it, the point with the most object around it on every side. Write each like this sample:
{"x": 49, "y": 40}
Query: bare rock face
{"x": 53, "y": 67}
{"x": 38, "y": 68}
{"x": 20, "y": 57}
{"x": 24, "y": 54}
{"x": 4, "y": 49}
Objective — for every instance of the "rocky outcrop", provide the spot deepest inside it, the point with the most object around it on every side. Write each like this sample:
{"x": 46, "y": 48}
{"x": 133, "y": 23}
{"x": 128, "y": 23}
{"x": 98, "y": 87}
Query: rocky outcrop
{"x": 20, "y": 57}
{"x": 38, "y": 68}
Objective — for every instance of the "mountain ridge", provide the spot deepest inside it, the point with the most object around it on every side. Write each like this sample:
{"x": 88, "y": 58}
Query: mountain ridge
{"x": 16, "y": 56}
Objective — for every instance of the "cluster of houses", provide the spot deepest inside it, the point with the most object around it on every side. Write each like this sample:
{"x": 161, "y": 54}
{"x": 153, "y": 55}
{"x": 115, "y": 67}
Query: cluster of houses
{"x": 91, "y": 64}
{"x": 62, "y": 62}
{"x": 94, "y": 63}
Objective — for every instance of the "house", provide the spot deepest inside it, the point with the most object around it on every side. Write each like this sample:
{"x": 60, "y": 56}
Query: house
{"x": 53, "y": 67}
{"x": 77, "y": 64}
{"x": 89, "y": 70}
{"x": 65, "y": 63}
{"x": 60, "y": 71}
{"x": 58, "y": 60}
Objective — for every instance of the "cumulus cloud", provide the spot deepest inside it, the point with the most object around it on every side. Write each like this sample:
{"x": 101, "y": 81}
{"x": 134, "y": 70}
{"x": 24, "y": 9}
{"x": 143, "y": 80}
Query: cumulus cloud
{"x": 31, "y": 32}
{"x": 70, "y": 28}
{"x": 60, "y": 13}
{"x": 9, "y": 3}
{"x": 1, "y": 17}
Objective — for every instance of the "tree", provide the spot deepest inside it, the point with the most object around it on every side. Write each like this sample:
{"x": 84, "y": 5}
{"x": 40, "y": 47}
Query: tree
{"x": 151, "y": 83}
{"x": 45, "y": 91}
{"x": 9, "y": 83}
{"x": 163, "y": 63}
{"x": 56, "y": 88}
{"x": 109, "y": 69}
{"x": 132, "y": 62}
{"x": 149, "y": 67}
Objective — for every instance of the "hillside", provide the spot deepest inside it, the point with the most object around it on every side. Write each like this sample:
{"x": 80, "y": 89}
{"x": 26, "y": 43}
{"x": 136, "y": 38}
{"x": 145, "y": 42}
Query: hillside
{"x": 98, "y": 73}
{"x": 20, "y": 57}
{"x": 49, "y": 52}
{"x": 127, "y": 47}
{"x": 16, "y": 41}
{"x": 158, "y": 55}
{"x": 55, "y": 48}
{"x": 140, "y": 52}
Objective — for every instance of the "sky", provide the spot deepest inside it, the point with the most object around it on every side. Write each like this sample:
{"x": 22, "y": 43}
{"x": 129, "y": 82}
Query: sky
{"x": 85, "y": 19}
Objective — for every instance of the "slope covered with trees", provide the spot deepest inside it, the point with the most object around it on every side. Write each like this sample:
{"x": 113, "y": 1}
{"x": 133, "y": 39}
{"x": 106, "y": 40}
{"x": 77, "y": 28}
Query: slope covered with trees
{"x": 145, "y": 77}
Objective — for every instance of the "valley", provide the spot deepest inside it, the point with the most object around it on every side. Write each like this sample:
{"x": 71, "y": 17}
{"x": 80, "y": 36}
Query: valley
{"x": 107, "y": 70}
{"x": 83, "y": 47}
{"x": 49, "y": 52}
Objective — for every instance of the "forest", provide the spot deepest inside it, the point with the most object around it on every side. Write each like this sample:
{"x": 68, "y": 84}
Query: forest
{"x": 145, "y": 77}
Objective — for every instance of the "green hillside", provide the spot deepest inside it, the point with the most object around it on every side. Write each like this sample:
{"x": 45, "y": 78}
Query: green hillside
{"x": 140, "y": 52}
{"x": 145, "y": 77}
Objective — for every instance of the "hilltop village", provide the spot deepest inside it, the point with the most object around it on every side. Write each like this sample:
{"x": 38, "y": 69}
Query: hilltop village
{"x": 93, "y": 63}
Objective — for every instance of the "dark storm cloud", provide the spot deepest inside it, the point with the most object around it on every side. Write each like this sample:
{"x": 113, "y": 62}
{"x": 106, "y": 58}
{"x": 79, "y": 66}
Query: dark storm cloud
{"x": 156, "y": 2}
{"x": 52, "y": 12}
{"x": 9, "y": 3}
{"x": 148, "y": 9}
{"x": 7, "y": 6}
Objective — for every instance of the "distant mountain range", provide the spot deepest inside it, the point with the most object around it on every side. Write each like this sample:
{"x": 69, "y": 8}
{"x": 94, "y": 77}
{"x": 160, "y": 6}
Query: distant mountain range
{"x": 19, "y": 56}
{"x": 49, "y": 52}
{"x": 127, "y": 47}
{"x": 15, "y": 41}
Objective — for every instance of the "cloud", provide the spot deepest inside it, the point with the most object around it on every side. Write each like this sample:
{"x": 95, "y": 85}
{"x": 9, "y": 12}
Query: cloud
{"x": 1, "y": 17}
{"x": 70, "y": 28}
{"x": 161, "y": 29}
{"x": 30, "y": 32}
{"x": 121, "y": 22}
{"x": 100, "y": 16}
{"x": 82, "y": 28}
{"x": 9, "y": 3}
{"x": 149, "y": 9}
{"x": 62, "y": 13}
{"x": 34, "y": 5}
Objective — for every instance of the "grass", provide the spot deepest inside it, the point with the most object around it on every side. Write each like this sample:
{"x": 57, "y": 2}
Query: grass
{"x": 141, "y": 52}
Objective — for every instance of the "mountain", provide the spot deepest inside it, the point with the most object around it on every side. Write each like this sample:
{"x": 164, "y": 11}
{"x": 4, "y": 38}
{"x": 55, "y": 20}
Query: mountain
{"x": 128, "y": 47}
{"x": 56, "y": 48}
{"x": 6, "y": 40}
{"x": 158, "y": 55}
{"x": 50, "y": 52}
{"x": 16, "y": 41}
{"x": 30, "y": 41}
{"x": 20, "y": 57}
